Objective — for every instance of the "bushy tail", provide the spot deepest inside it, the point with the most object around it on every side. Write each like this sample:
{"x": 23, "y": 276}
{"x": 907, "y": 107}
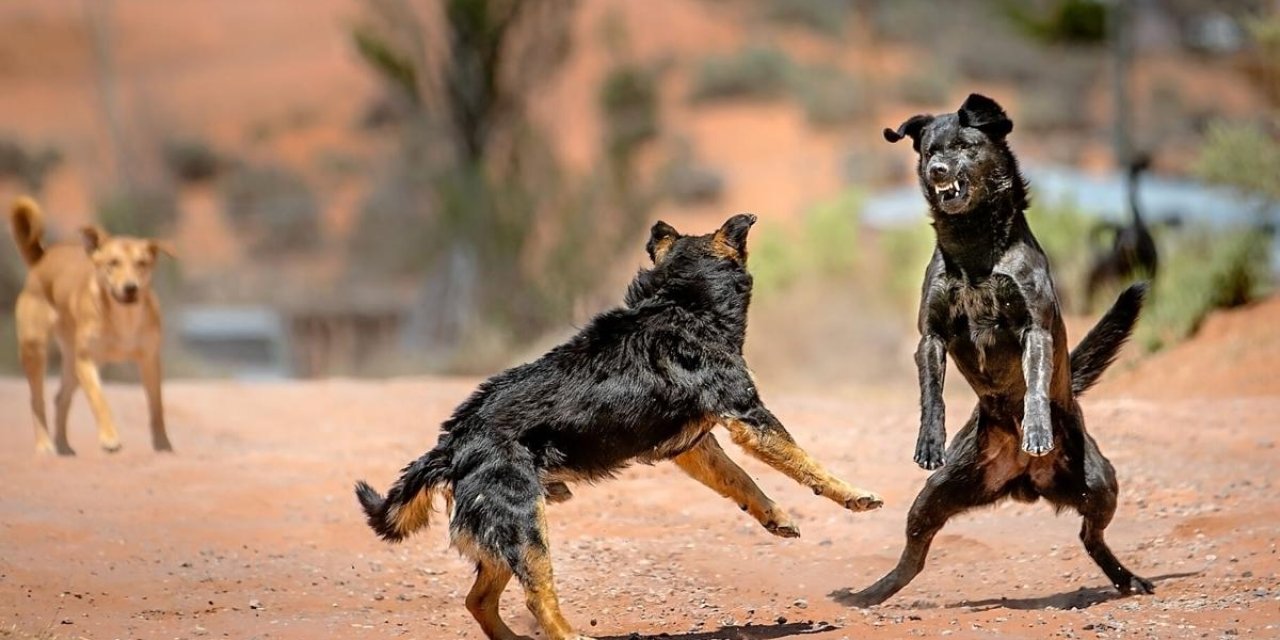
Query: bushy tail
{"x": 408, "y": 504}
{"x": 27, "y": 224}
{"x": 1101, "y": 346}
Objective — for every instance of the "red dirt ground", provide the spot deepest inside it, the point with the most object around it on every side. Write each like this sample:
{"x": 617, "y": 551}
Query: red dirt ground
{"x": 251, "y": 531}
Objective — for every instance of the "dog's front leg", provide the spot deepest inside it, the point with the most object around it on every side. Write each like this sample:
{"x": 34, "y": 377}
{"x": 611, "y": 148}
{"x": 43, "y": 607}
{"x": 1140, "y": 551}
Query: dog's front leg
{"x": 87, "y": 374}
{"x": 764, "y": 437}
{"x": 931, "y": 365}
{"x": 707, "y": 463}
{"x": 1037, "y": 369}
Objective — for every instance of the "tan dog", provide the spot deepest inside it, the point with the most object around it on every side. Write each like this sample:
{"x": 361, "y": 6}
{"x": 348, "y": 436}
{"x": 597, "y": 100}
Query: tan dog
{"x": 96, "y": 300}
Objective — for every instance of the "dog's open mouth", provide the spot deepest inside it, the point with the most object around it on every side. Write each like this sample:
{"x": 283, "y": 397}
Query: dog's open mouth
{"x": 951, "y": 192}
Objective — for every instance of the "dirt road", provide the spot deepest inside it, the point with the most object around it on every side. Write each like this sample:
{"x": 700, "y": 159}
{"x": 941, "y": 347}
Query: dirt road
{"x": 251, "y": 530}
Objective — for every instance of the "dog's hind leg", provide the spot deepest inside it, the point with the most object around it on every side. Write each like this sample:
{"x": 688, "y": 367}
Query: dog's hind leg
{"x": 765, "y": 438}
{"x": 35, "y": 318}
{"x": 707, "y": 463}
{"x": 492, "y": 576}
{"x": 948, "y": 492}
{"x": 1097, "y": 505}
{"x": 533, "y": 568}
{"x": 62, "y": 401}
{"x": 499, "y": 516}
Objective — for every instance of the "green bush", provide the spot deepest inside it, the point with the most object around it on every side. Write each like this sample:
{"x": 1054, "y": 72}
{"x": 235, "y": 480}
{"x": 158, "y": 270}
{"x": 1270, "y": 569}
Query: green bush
{"x": 755, "y": 72}
{"x": 829, "y": 95}
{"x": 27, "y": 163}
{"x": 1202, "y": 271}
{"x": 825, "y": 245}
{"x": 929, "y": 85}
{"x": 827, "y": 17}
{"x": 146, "y": 211}
{"x": 273, "y": 208}
{"x": 629, "y": 100}
{"x": 1243, "y": 155}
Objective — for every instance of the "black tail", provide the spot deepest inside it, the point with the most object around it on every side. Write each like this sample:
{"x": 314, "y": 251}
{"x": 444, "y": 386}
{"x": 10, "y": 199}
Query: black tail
{"x": 408, "y": 504}
{"x": 1100, "y": 347}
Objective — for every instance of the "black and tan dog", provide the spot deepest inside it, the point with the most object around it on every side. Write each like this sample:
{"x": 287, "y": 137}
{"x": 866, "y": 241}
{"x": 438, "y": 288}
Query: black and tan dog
{"x": 988, "y": 300}
{"x": 642, "y": 383}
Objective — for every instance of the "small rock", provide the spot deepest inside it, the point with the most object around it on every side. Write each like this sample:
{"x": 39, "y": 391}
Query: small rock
{"x": 255, "y": 604}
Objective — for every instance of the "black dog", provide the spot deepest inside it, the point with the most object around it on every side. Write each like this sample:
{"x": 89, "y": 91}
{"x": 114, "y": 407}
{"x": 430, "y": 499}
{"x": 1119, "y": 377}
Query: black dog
{"x": 988, "y": 300}
{"x": 645, "y": 382}
{"x": 1132, "y": 253}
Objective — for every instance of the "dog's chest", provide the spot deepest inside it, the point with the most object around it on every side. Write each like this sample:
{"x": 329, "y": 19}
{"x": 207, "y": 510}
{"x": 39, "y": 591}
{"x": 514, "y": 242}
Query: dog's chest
{"x": 985, "y": 321}
{"x": 124, "y": 336}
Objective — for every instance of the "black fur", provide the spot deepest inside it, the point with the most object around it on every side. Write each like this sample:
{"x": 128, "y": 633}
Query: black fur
{"x": 640, "y": 383}
{"x": 989, "y": 302}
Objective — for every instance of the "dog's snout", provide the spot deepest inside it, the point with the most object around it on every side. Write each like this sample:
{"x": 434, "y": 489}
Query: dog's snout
{"x": 130, "y": 288}
{"x": 939, "y": 170}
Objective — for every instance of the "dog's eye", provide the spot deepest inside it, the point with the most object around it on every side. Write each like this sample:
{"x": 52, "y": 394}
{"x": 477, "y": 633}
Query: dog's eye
{"x": 113, "y": 263}
{"x": 141, "y": 264}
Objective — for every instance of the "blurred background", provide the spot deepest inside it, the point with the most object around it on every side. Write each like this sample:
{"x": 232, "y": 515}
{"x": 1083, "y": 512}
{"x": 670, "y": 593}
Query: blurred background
{"x": 391, "y": 187}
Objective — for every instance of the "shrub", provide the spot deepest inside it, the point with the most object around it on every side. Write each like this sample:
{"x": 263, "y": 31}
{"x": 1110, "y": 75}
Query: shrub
{"x": 827, "y": 17}
{"x": 629, "y": 100}
{"x": 29, "y": 164}
{"x": 192, "y": 160}
{"x": 755, "y": 72}
{"x": 824, "y": 246}
{"x": 928, "y": 85}
{"x": 273, "y": 208}
{"x": 147, "y": 211}
{"x": 1202, "y": 272}
{"x": 1243, "y": 155}
{"x": 830, "y": 96}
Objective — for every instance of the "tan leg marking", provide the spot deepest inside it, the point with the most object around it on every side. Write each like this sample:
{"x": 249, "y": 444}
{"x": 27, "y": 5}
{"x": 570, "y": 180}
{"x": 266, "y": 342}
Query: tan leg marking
{"x": 539, "y": 586}
{"x": 707, "y": 463}
{"x": 778, "y": 450}
{"x": 491, "y": 579}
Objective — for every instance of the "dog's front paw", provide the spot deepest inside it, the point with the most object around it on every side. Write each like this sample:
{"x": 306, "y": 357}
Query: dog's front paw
{"x": 784, "y": 530}
{"x": 863, "y": 500}
{"x": 110, "y": 444}
{"x": 930, "y": 451}
{"x": 1037, "y": 438}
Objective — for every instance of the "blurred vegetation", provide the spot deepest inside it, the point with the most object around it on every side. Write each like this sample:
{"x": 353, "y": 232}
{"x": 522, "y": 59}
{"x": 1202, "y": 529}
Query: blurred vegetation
{"x": 1264, "y": 65}
{"x": 928, "y": 85}
{"x": 828, "y": 95}
{"x": 192, "y": 160}
{"x": 27, "y": 163}
{"x": 1201, "y": 271}
{"x": 273, "y": 209}
{"x": 143, "y": 210}
{"x": 1063, "y": 21}
{"x": 827, "y": 17}
{"x": 1243, "y": 155}
{"x": 824, "y": 246}
{"x": 755, "y": 72}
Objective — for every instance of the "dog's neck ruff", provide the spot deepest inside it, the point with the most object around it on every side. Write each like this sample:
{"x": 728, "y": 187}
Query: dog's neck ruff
{"x": 972, "y": 243}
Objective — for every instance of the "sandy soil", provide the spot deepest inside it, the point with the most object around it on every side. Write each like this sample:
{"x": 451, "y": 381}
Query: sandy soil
{"x": 251, "y": 531}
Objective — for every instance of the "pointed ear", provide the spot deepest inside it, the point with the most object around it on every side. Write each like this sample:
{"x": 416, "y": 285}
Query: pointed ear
{"x": 911, "y": 128}
{"x": 731, "y": 237}
{"x": 157, "y": 247}
{"x": 93, "y": 237}
{"x": 986, "y": 115}
{"x": 661, "y": 237}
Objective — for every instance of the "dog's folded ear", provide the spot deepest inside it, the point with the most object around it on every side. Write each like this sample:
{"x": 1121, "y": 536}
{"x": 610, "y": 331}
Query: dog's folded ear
{"x": 911, "y": 128}
{"x": 93, "y": 237}
{"x": 661, "y": 237}
{"x": 157, "y": 247}
{"x": 986, "y": 115}
{"x": 733, "y": 233}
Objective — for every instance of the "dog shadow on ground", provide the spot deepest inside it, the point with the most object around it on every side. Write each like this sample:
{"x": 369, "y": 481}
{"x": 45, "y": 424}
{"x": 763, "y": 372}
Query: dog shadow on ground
{"x": 738, "y": 632}
{"x": 1081, "y": 598}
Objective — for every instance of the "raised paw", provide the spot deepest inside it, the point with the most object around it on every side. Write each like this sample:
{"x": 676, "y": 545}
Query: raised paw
{"x": 1137, "y": 585}
{"x": 929, "y": 452}
{"x": 1037, "y": 442}
{"x": 863, "y": 501}
{"x": 785, "y": 530}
